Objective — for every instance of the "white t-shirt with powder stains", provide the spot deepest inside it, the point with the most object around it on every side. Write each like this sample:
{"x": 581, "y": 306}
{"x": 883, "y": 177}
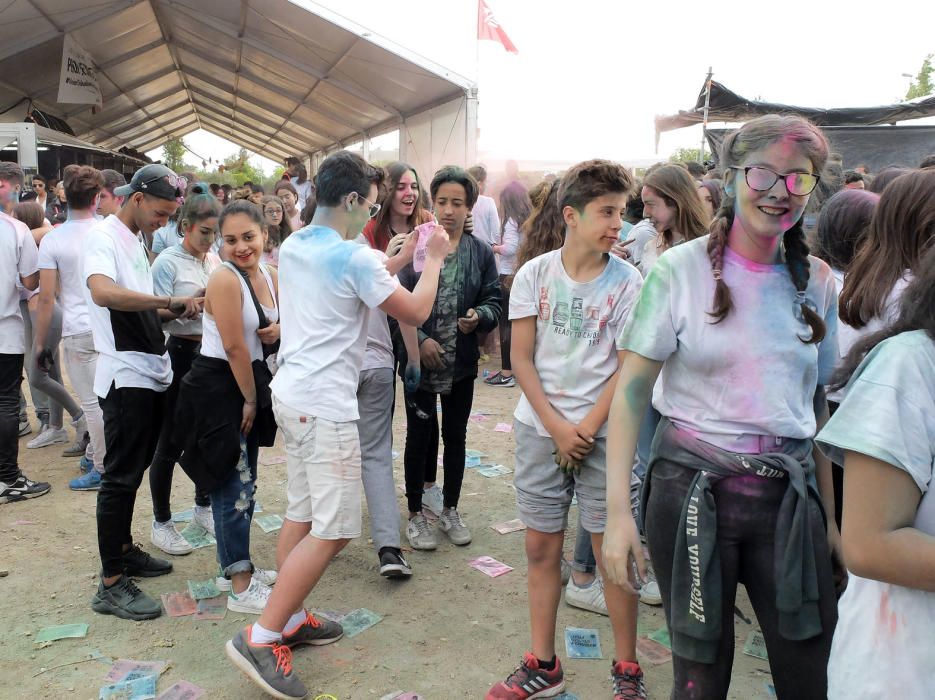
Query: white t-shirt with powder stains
{"x": 576, "y": 326}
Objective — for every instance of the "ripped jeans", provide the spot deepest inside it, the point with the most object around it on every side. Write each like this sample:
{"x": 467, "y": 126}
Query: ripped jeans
{"x": 232, "y": 505}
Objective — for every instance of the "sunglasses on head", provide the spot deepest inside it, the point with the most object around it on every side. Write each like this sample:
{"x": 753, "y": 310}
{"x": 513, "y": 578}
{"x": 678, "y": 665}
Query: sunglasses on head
{"x": 176, "y": 181}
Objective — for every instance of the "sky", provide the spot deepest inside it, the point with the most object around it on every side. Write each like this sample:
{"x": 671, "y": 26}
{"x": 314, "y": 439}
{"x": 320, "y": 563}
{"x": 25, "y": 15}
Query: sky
{"x": 591, "y": 75}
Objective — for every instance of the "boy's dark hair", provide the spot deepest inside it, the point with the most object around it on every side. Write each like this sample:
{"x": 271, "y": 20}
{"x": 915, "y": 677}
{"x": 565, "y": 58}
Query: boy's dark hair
{"x": 11, "y": 172}
{"x": 852, "y": 176}
{"x": 478, "y": 172}
{"x": 591, "y": 179}
{"x": 248, "y": 183}
{"x": 40, "y": 178}
{"x": 257, "y": 189}
{"x": 342, "y": 173}
{"x": 885, "y": 177}
{"x": 928, "y": 162}
{"x": 843, "y": 221}
{"x": 82, "y": 184}
{"x": 695, "y": 169}
{"x": 460, "y": 176}
{"x": 112, "y": 180}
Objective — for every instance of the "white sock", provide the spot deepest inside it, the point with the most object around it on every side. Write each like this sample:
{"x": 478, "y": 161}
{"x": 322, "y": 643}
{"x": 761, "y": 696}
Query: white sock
{"x": 261, "y": 635}
{"x": 296, "y": 620}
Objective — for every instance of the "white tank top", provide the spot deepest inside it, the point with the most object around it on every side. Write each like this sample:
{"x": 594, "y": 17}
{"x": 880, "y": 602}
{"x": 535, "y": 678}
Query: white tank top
{"x": 211, "y": 343}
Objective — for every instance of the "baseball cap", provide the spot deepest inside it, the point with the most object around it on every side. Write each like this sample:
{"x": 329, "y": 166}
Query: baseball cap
{"x": 155, "y": 180}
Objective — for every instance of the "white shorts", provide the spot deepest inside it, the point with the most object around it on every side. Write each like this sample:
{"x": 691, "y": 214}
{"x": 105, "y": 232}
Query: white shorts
{"x": 323, "y": 469}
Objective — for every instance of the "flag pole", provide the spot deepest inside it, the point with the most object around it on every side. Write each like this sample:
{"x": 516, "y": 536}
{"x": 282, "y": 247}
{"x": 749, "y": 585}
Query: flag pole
{"x": 707, "y": 106}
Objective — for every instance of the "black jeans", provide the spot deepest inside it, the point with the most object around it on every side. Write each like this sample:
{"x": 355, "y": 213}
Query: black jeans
{"x": 747, "y": 507}
{"x": 132, "y": 422}
{"x": 11, "y": 376}
{"x": 505, "y": 325}
{"x": 181, "y": 354}
{"x": 421, "y": 456}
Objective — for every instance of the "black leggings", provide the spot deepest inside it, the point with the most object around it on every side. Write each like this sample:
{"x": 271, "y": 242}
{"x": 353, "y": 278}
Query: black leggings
{"x": 747, "y": 507}
{"x": 181, "y": 354}
{"x": 505, "y": 325}
{"x": 421, "y": 456}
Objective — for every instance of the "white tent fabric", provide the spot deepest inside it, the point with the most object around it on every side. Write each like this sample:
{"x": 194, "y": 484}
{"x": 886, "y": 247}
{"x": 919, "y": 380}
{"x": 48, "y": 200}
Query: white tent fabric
{"x": 279, "y": 77}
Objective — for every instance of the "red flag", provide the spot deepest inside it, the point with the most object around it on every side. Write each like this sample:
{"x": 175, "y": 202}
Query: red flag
{"x": 489, "y": 28}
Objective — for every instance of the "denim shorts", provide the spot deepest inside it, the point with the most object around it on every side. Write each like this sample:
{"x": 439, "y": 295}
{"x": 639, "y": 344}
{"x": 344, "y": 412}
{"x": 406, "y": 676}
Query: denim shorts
{"x": 323, "y": 473}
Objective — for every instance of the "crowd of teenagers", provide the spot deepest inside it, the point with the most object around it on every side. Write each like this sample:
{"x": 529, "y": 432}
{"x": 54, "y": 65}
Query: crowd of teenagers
{"x": 717, "y": 399}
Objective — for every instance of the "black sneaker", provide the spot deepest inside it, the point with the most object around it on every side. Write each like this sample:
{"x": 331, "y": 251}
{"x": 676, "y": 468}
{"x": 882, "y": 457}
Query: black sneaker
{"x": 392, "y": 564}
{"x": 125, "y": 600}
{"x": 313, "y": 631}
{"x": 267, "y": 665}
{"x": 22, "y": 488}
{"x": 136, "y": 562}
{"x": 499, "y": 379}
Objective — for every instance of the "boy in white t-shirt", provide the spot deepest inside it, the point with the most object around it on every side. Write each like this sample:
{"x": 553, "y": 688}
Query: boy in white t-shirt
{"x": 18, "y": 267}
{"x": 567, "y": 309}
{"x": 131, "y": 377}
{"x": 326, "y": 284}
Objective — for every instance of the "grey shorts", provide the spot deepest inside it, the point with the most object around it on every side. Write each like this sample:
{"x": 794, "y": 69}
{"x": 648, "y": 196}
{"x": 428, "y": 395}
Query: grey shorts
{"x": 543, "y": 491}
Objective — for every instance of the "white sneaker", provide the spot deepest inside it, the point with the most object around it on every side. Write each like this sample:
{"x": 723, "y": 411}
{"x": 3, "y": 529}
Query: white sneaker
{"x": 204, "y": 518}
{"x": 420, "y": 534}
{"x": 650, "y": 594}
{"x": 433, "y": 500}
{"x": 451, "y": 524}
{"x": 169, "y": 540}
{"x": 586, "y": 597}
{"x": 49, "y": 436}
{"x": 252, "y": 600}
{"x": 265, "y": 576}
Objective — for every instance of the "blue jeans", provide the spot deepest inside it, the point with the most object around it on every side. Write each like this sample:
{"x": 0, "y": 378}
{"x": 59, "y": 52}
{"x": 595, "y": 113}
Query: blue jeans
{"x": 232, "y": 506}
{"x": 584, "y": 554}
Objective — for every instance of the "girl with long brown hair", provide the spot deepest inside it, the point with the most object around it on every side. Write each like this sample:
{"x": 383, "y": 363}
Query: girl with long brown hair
{"x": 741, "y": 325}
{"x": 671, "y": 201}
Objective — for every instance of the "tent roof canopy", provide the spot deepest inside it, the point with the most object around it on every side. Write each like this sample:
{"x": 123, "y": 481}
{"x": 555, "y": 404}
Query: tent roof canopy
{"x": 279, "y": 77}
{"x": 728, "y": 106}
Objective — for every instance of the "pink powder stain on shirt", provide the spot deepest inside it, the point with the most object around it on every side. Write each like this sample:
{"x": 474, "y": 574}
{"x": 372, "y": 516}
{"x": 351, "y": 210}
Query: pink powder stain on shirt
{"x": 886, "y": 618}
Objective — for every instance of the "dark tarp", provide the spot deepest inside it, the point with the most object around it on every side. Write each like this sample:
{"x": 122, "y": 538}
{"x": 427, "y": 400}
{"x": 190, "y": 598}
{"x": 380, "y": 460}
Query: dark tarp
{"x": 728, "y": 106}
{"x": 873, "y": 146}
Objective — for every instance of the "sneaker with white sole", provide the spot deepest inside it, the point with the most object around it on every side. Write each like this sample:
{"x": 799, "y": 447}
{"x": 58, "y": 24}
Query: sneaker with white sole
{"x": 24, "y": 427}
{"x": 89, "y": 481}
{"x": 649, "y": 593}
{"x": 269, "y": 666}
{"x": 420, "y": 534}
{"x": 393, "y": 564}
{"x": 169, "y": 540}
{"x": 590, "y": 597}
{"x": 500, "y": 379}
{"x": 252, "y": 600}
{"x": 433, "y": 500}
{"x": 21, "y": 489}
{"x": 204, "y": 518}
{"x": 49, "y": 436}
{"x": 451, "y": 523}
{"x": 265, "y": 576}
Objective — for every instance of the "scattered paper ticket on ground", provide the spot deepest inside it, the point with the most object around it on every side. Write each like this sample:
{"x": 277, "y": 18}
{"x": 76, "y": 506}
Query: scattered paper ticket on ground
{"x": 358, "y": 620}
{"x": 474, "y": 453}
{"x": 770, "y": 689}
{"x": 490, "y": 566}
{"x": 661, "y": 636}
{"x": 503, "y": 428}
{"x": 471, "y": 462}
{"x": 198, "y": 537}
{"x": 183, "y": 690}
{"x": 495, "y": 470}
{"x": 652, "y": 652}
{"x": 179, "y": 604}
{"x": 582, "y": 643}
{"x": 268, "y": 523}
{"x": 203, "y": 589}
{"x": 184, "y": 516}
{"x": 509, "y": 526}
{"x": 143, "y": 688}
{"x": 333, "y": 615}
{"x": 50, "y": 634}
{"x": 755, "y": 645}
{"x": 127, "y": 667}
{"x": 477, "y": 418}
{"x": 211, "y": 608}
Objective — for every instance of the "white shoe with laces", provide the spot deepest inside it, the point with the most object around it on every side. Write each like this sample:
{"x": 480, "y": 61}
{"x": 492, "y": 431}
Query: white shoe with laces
{"x": 169, "y": 540}
{"x": 265, "y": 576}
{"x": 586, "y": 597}
{"x": 433, "y": 500}
{"x": 204, "y": 518}
{"x": 252, "y": 600}
{"x": 49, "y": 436}
{"x": 451, "y": 523}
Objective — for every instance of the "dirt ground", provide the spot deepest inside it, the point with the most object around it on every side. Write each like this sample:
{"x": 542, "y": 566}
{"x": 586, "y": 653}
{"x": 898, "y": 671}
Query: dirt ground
{"x": 448, "y": 632}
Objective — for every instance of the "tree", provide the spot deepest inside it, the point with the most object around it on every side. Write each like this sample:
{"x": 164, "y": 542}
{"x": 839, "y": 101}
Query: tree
{"x": 173, "y": 154}
{"x": 239, "y": 169}
{"x": 686, "y": 155}
{"x": 922, "y": 86}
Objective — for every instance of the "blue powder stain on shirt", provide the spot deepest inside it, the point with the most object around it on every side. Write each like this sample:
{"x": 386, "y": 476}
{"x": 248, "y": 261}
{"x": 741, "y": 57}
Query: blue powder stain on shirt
{"x": 324, "y": 254}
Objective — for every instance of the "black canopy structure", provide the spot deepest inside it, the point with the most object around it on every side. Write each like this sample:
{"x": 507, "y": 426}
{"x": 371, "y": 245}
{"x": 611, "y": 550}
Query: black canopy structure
{"x": 727, "y": 106}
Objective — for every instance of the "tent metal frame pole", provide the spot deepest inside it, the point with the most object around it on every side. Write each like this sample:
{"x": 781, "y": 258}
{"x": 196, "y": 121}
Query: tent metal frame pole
{"x": 707, "y": 106}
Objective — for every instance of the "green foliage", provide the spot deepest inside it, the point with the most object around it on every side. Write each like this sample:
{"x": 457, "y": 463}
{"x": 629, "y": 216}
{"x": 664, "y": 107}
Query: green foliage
{"x": 922, "y": 86}
{"x": 173, "y": 155}
{"x": 686, "y": 155}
